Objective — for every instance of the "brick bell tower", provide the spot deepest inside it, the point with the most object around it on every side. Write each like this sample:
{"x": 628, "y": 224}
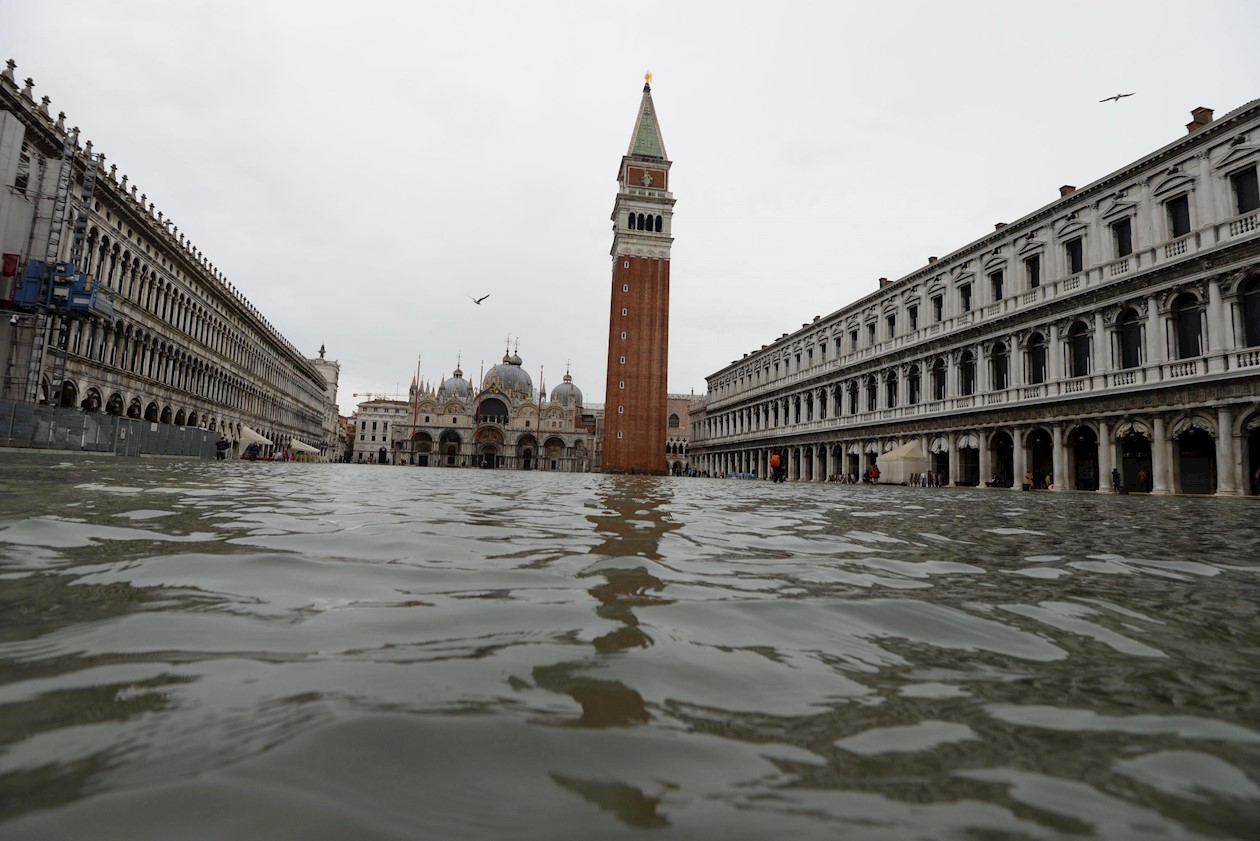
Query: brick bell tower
{"x": 635, "y": 404}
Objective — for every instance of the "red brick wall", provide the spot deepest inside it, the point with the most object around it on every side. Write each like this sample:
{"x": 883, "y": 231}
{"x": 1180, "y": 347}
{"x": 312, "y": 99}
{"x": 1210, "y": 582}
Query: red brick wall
{"x": 640, "y": 286}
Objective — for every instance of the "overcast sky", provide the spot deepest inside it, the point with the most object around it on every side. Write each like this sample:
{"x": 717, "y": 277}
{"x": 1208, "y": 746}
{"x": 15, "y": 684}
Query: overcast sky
{"x": 358, "y": 170}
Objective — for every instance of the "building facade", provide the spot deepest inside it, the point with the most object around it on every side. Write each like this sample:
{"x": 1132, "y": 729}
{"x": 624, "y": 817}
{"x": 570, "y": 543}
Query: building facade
{"x": 502, "y": 423}
{"x": 1117, "y": 328}
{"x": 638, "y": 321}
{"x": 163, "y": 336}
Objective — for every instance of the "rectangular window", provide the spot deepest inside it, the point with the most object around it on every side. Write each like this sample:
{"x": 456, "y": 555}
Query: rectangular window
{"x": 1178, "y": 216}
{"x": 938, "y": 308}
{"x": 913, "y": 315}
{"x": 891, "y": 322}
{"x": 870, "y": 333}
{"x": 853, "y": 344}
{"x": 995, "y": 285}
{"x": 964, "y": 297}
{"x": 1122, "y": 234}
{"x": 1246, "y": 190}
{"x": 1074, "y": 249}
{"x": 1032, "y": 268}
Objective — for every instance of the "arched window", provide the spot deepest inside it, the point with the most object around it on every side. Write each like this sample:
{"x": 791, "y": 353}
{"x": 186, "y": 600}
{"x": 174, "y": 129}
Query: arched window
{"x": 1000, "y": 362}
{"x": 853, "y": 399}
{"x": 872, "y": 394}
{"x": 1036, "y": 359}
{"x": 938, "y": 379}
{"x": 890, "y": 390}
{"x": 1188, "y": 326}
{"x": 912, "y": 385}
{"x": 1129, "y": 331}
{"x": 967, "y": 374}
{"x": 1251, "y": 312}
{"x": 640, "y": 222}
{"x": 659, "y": 224}
{"x": 1078, "y": 349}
{"x": 674, "y": 423}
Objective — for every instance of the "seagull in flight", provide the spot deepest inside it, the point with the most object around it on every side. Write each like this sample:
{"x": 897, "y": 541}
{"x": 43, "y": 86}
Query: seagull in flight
{"x": 478, "y": 301}
{"x": 1117, "y": 97}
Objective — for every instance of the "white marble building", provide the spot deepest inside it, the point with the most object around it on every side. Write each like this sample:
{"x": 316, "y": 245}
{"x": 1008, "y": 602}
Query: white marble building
{"x": 1117, "y": 327}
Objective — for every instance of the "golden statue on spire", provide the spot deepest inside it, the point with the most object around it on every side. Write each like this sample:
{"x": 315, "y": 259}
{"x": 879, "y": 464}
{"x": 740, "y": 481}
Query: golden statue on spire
{"x": 647, "y": 78}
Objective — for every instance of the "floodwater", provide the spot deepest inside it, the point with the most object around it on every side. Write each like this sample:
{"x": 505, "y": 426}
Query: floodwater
{"x": 216, "y": 650}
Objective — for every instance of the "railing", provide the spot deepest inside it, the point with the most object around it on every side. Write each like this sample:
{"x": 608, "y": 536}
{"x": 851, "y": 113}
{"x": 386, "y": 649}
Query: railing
{"x": 994, "y": 397}
{"x": 1183, "y": 369}
{"x": 1244, "y": 225}
{"x": 964, "y": 402}
{"x": 1176, "y": 248}
{"x": 1119, "y": 267}
{"x": 1249, "y": 359}
{"x": 1074, "y": 386}
{"x": 1072, "y": 283}
{"x": 1032, "y": 392}
{"x": 1124, "y": 378}
{"x": 1029, "y": 297}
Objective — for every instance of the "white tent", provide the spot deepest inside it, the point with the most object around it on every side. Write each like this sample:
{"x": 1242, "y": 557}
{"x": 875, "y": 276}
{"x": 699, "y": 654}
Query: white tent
{"x": 895, "y": 466}
{"x": 298, "y": 447}
{"x": 249, "y": 436}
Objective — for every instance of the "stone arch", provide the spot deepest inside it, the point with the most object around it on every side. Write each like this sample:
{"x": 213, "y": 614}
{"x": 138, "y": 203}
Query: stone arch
{"x": 166, "y": 414}
{"x": 92, "y": 401}
{"x": 1188, "y": 421}
{"x": 114, "y": 405}
{"x": 69, "y": 394}
{"x": 180, "y": 418}
{"x": 152, "y": 413}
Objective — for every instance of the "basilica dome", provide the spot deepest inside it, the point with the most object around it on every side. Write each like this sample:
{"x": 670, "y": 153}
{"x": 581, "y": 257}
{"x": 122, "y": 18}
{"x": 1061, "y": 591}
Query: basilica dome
{"x": 457, "y": 386}
{"x": 567, "y": 392}
{"x": 510, "y": 378}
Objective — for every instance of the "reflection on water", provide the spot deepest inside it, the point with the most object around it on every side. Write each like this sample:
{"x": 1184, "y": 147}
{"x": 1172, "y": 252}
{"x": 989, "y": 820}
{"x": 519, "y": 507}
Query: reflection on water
{"x": 213, "y": 650}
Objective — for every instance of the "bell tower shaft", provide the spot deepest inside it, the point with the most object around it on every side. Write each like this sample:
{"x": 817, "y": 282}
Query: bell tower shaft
{"x": 638, "y": 327}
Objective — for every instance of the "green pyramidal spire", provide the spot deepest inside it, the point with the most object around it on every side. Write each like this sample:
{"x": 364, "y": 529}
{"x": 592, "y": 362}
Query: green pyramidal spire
{"x": 646, "y": 141}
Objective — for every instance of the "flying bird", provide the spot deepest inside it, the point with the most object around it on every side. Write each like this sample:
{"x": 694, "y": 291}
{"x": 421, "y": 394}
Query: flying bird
{"x": 478, "y": 301}
{"x": 1117, "y": 97}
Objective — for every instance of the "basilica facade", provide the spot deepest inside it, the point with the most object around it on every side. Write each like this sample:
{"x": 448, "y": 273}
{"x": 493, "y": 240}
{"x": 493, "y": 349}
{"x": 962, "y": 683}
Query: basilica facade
{"x": 503, "y": 422}
{"x": 1108, "y": 340}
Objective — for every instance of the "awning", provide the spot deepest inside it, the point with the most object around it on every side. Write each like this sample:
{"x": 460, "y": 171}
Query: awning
{"x": 298, "y": 447}
{"x": 249, "y": 436}
{"x": 906, "y": 452}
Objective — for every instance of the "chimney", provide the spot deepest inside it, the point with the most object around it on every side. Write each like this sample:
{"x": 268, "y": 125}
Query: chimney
{"x": 1066, "y": 190}
{"x": 931, "y": 260}
{"x": 997, "y": 226}
{"x": 883, "y": 281}
{"x": 1202, "y": 116}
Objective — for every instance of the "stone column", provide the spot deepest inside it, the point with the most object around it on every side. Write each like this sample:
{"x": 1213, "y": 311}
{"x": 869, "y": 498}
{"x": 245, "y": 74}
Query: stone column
{"x": 1154, "y": 332}
{"x": 1102, "y": 359}
{"x": 1226, "y": 470}
{"x": 1060, "y": 457}
{"x": 1161, "y": 457}
{"x": 1014, "y": 362}
{"x": 982, "y": 373}
{"x": 1106, "y": 460}
{"x": 951, "y": 478}
{"x": 1217, "y": 322}
{"x": 1054, "y": 355}
{"x": 985, "y": 475}
{"x": 1018, "y": 459}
